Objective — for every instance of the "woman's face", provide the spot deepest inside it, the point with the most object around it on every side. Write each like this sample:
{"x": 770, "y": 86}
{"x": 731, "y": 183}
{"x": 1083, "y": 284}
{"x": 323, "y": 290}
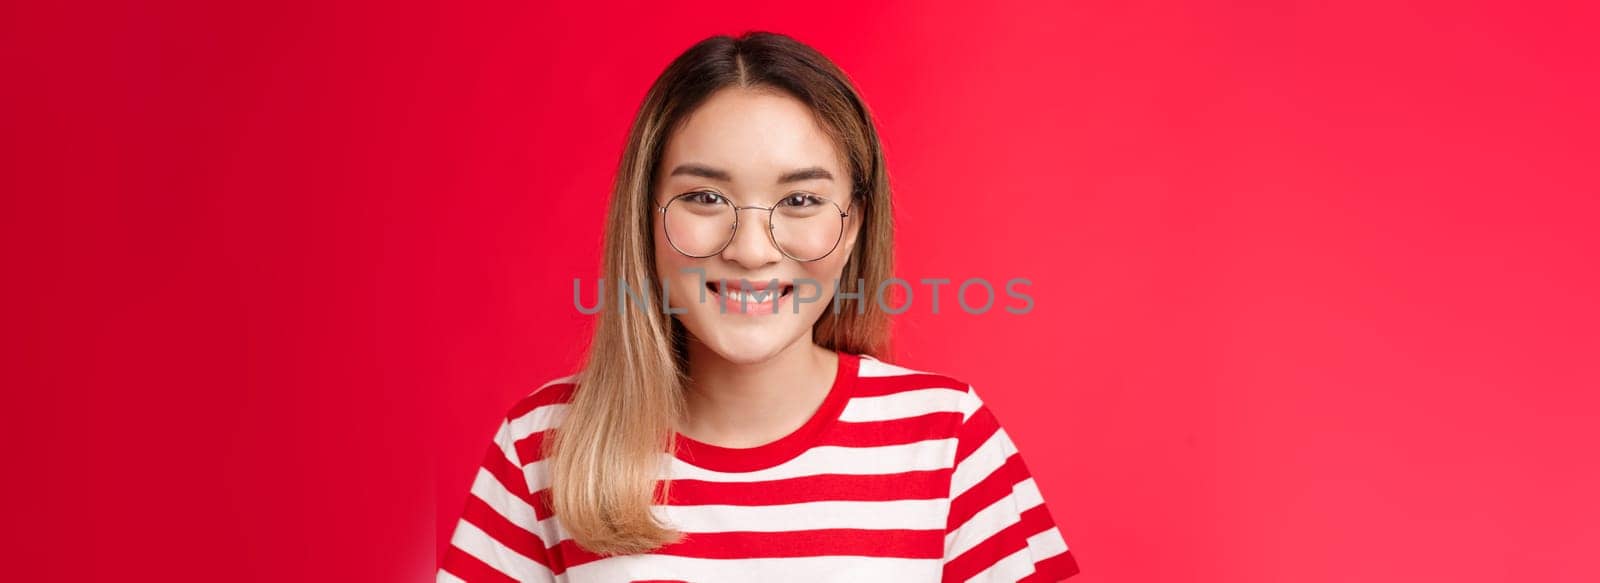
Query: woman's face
{"x": 751, "y": 148}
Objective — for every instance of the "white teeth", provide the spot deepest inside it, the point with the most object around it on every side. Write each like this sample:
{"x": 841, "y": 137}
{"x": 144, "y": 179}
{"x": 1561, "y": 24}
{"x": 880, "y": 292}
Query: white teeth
{"x": 751, "y": 297}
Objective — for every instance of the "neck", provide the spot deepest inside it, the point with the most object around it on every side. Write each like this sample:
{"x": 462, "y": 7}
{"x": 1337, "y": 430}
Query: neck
{"x": 744, "y": 405}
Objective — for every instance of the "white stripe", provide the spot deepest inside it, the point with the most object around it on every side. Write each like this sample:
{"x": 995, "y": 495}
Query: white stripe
{"x": 879, "y": 515}
{"x": 446, "y": 577}
{"x": 537, "y": 475}
{"x": 1047, "y": 543}
{"x": 566, "y": 380}
{"x": 539, "y": 419}
{"x": 508, "y": 448}
{"x": 930, "y": 454}
{"x": 480, "y": 545}
{"x": 970, "y": 404}
{"x": 489, "y": 489}
{"x": 765, "y": 570}
{"x": 544, "y": 416}
{"x": 871, "y": 367}
{"x": 984, "y": 461}
{"x": 1007, "y": 570}
{"x": 514, "y": 509}
{"x": 992, "y": 519}
{"x": 507, "y": 444}
{"x": 1021, "y": 563}
{"x": 902, "y": 405}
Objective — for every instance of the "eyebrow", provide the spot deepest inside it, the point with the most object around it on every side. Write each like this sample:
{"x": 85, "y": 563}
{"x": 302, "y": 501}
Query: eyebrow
{"x": 703, "y": 171}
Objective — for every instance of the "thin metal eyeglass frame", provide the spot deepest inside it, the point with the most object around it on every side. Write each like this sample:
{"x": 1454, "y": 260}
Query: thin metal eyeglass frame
{"x": 734, "y": 230}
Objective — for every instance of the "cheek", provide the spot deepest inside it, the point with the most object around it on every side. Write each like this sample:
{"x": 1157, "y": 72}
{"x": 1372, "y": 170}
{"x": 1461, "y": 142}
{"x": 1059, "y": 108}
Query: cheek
{"x": 824, "y": 272}
{"x": 667, "y": 260}
{"x": 660, "y": 245}
{"x": 678, "y": 271}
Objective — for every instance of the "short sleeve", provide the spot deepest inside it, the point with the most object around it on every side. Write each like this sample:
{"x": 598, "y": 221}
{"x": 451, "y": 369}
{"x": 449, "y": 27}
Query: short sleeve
{"x": 999, "y": 528}
{"x": 497, "y": 537}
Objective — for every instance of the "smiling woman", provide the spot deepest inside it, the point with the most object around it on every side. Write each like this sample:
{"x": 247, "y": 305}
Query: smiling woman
{"x": 699, "y": 443}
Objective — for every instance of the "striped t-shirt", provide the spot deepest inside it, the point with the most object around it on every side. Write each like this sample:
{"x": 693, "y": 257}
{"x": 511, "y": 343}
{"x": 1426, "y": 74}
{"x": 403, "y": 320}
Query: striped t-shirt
{"x": 900, "y": 475}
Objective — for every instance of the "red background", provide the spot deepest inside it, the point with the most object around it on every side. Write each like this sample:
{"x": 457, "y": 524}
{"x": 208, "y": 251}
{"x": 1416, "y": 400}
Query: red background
{"x": 1315, "y": 284}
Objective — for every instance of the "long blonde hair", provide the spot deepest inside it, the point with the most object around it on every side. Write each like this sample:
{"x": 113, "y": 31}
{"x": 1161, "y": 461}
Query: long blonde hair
{"x": 605, "y": 455}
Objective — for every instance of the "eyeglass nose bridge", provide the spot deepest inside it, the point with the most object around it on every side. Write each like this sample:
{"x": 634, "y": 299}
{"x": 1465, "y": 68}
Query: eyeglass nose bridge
{"x": 769, "y": 210}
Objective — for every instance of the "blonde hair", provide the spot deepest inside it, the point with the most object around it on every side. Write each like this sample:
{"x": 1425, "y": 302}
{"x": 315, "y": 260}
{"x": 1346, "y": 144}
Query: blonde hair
{"x": 605, "y": 455}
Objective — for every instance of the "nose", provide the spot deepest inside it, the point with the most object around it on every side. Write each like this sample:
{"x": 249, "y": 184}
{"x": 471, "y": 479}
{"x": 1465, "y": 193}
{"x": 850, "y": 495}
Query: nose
{"x": 752, "y": 245}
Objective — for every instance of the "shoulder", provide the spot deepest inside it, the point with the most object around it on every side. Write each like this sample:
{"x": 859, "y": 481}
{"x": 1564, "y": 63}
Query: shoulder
{"x": 915, "y": 387}
{"x": 542, "y": 408}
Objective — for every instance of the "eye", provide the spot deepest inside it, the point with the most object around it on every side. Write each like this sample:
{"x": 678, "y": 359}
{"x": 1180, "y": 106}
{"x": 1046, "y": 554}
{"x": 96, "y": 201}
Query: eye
{"x": 801, "y": 199}
{"x": 704, "y": 197}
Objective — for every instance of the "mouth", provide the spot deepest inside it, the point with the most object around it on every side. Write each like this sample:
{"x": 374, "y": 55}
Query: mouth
{"x": 744, "y": 296}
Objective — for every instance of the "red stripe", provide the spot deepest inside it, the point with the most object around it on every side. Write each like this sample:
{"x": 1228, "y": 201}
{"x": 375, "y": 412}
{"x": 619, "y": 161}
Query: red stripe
{"x": 899, "y": 543}
{"x": 531, "y": 448}
{"x": 937, "y": 425}
{"x": 880, "y": 386}
{"x": 940, "y": 425}
{"x": 865, "y": 387}
{"x": 468, "y": 568}
{"x": 977, "y": 430}
{"x": 509, "y": 475}
{"x": 1053, "y": 569}
{"x": 899, "y": 486}
{"x": 992, "y": 488}
{"x": 903, "y": 543}
{"x": 561, "y": 393}
{"x": 546, "y": 395}
{"x": 507, "y": 533}
{"x": 541, "y": 505}
{"x": 1000, "y": 545}
{"x": 914, "y": 485}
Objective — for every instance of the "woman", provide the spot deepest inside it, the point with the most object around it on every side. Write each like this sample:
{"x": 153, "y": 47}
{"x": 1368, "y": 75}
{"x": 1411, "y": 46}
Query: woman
{"x": 735, "y": 427}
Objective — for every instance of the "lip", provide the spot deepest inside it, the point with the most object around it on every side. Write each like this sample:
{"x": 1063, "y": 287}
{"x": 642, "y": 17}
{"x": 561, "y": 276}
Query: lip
{"x": 750, "y": 284}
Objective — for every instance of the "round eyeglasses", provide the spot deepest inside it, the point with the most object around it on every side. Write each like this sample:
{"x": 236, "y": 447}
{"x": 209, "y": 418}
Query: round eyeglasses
{"x": 804, "y": 226}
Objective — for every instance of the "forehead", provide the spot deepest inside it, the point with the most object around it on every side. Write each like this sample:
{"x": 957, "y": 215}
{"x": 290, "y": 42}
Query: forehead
{"x": 755, "y": 135}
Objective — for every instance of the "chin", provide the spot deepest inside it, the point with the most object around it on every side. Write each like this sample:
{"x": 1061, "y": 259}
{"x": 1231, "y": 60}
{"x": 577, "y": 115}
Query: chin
{"x": 745, "y": 344}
